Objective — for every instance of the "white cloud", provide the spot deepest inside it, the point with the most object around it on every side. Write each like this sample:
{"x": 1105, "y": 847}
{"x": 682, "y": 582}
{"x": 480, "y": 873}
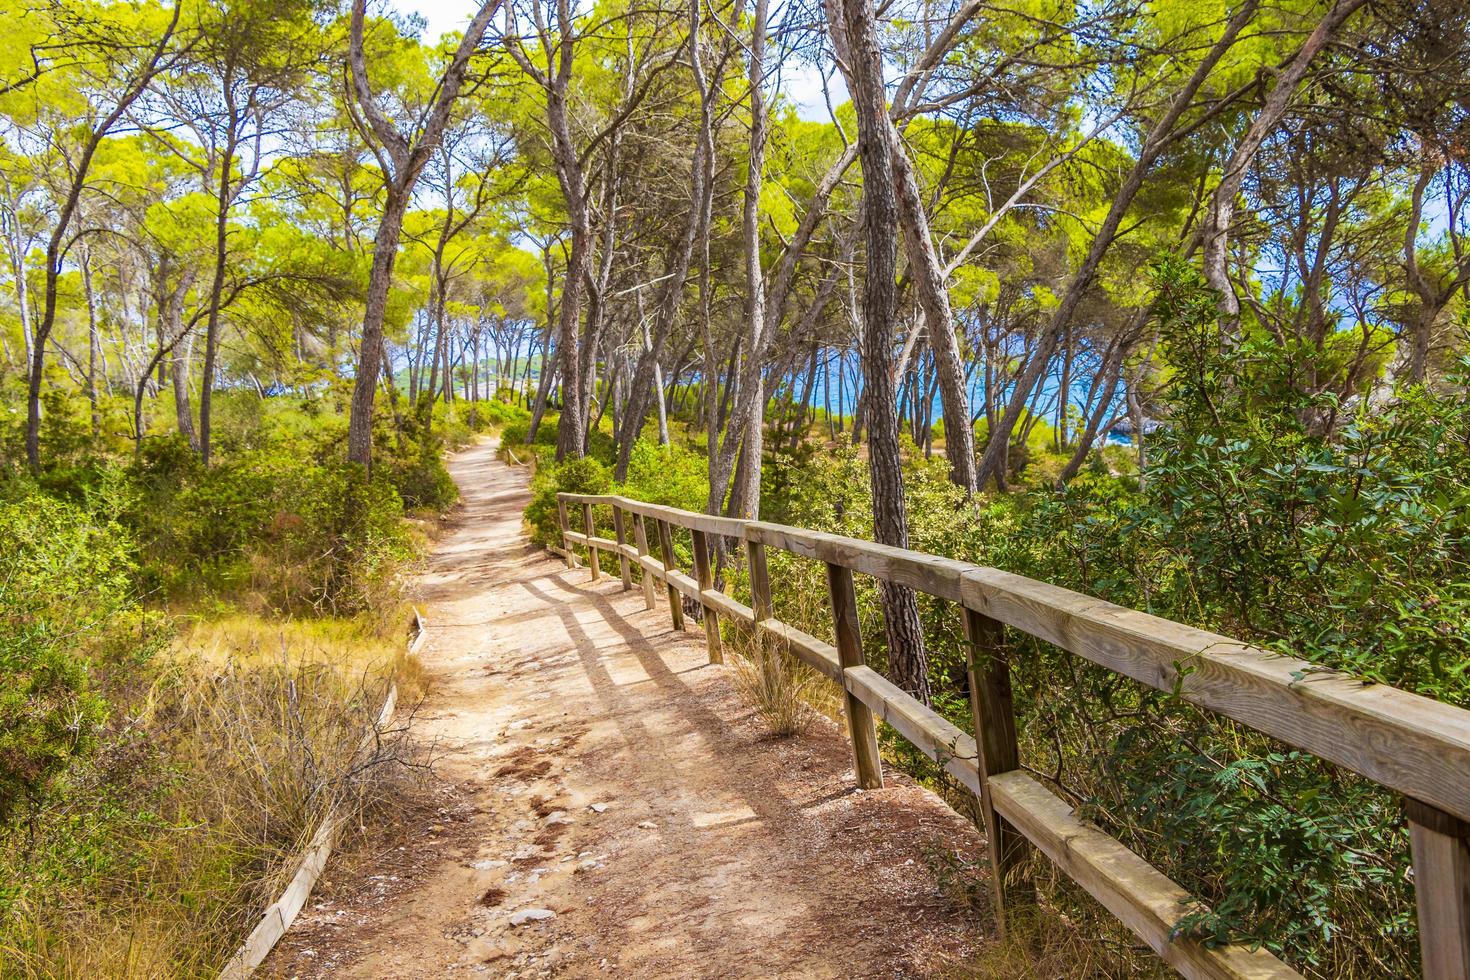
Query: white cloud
{"x": 442, "y": 16}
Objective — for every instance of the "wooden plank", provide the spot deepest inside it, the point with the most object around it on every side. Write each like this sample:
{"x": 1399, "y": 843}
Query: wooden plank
{"x": 666, "y": 552}
{"x": 566, "y": 532}
{"x": 821, "y": 657}
{"x": 1440, "y": 844}
{"x": 576, "y": 537}
{"x": 1401, "y": 741}
{"x": 641, "y": 536}
{"x": 682, "y": 584}
{"x": 848, "y": 630}
{"x": 587, "y": 498}
{"x": 729, "y": 527}
{"x": 926, "y": 573}
{"x": 760, "y": 580}
{"x": 994, "y": 715}
{"x": 926, "y": 730}
{"x": 620, "y": 532}
{"x": 705, "y": 574}
{"x": 727, "y": 606}
{"x": 1138, "y": 894}
{"x": 604, "y": 544}
{"x": 591, "y": 527}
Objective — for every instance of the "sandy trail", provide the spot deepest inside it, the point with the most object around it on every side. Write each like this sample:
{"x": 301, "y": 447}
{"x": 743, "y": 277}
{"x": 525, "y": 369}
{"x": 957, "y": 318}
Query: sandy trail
{"x": 714, "y": 851}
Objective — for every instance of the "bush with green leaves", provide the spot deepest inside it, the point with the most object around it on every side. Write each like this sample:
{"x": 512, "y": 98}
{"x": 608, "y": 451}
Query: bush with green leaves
{"x": 1335, "y": 530}
{"x": 66, "y": 580}
{"x": 514, "y": 432}
{"x": 578, "y": 475}
{"x": 669, "y": 475}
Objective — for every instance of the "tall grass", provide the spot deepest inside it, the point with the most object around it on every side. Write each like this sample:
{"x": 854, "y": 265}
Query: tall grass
{"x": 785, "y": 692}
{"x": 154, "y": 858}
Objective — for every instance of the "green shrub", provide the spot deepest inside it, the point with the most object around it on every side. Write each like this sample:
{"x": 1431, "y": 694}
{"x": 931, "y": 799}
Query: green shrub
{"x": 66, "y": 575}
{"x": 580, "y": 475}
{"x": 670, "y": 475}
{"x": 301, "y": 536}
{"x": 514, "y": 433}
{"x": 497, "y": 414}
{"x": 422, "y": 480}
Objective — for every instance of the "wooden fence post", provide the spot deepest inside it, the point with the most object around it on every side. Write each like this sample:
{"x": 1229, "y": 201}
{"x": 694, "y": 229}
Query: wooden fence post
{"x": 850, "y": 654}
{"x": 1440, "y": 844}
{"x": 760, "y": 581}
{"x": 621, "y": 534}
{"x": 666, "y": 549}
{"x": 566, "y": 546}
{"x": 705, "y": 575}
{"x": 995, "y": 736}
{"x": 650, "y": 595}
{"x": 591, "y": 549}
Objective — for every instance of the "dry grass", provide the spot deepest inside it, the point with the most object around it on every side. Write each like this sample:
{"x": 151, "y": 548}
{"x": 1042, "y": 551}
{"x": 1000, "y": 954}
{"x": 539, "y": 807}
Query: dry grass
{"x": 1063, "y": 935}
{"x": 160, "y": 854}
{"x": 783, "y": 690}
{"x": 352, "y": 648}
{"x": 1043, "y": 944}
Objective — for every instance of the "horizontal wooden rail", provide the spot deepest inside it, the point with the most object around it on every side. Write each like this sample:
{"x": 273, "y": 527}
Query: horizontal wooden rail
{"x": 1404, "y": 742}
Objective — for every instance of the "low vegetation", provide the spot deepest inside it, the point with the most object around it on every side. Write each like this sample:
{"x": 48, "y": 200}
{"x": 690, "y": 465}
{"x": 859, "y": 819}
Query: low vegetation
{"x": 1351, "y": 550}
{"x": 190, "y": 660}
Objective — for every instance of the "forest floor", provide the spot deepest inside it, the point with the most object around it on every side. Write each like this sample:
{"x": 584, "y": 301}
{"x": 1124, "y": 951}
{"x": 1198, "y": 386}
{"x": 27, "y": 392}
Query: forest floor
{"x": 608, "y": 805}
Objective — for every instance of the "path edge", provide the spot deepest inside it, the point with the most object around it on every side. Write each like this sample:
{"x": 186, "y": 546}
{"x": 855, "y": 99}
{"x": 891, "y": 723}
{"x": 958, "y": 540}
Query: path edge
{"x": 281, "y": 913}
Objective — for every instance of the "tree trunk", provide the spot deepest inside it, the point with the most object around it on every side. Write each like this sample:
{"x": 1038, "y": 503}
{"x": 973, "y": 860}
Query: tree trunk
{"x": 854, "y": 22}
{"x": 1216, "y": 226}
{"x": 224, "y": 197}
{"x": 370, "y": 345}
{"x": 746, "y": 431}
{"x": 94, "y": 343}
{"x": 929, "y": 280}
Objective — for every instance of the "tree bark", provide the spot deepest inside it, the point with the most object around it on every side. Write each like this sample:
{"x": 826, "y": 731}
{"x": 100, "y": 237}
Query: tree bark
{"x": 370, "y": 350}
{"x": 854, "y": 22}
{"x": 1216, "y": 228}
{"x": 403, "y": 159}
{"x": 57, "y": 245}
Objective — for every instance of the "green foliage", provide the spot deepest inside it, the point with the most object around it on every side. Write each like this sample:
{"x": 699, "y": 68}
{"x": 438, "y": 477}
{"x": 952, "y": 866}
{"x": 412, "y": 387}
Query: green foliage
{"x": 1336, "y": 531}
{"x": 499, "y": 414}
{"x": 670, "y": 475}
{"x": 66, "y": 576}
{"x": 514, "y": 432}
{"x": 579, "y": 475}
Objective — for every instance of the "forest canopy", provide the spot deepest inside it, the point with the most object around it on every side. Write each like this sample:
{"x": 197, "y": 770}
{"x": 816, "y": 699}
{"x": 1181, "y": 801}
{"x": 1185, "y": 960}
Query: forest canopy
{"x": 1164, "y": 302}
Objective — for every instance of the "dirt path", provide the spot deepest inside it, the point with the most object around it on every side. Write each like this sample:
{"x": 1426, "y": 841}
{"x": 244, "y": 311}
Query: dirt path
{"x": 603, "y": 772}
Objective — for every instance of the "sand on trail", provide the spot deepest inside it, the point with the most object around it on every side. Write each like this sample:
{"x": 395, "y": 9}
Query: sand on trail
{"x": 594, "y": 766}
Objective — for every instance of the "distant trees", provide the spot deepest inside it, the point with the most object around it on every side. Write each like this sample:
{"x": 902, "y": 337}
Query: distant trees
{"x": 621, "y": 213}
{"x": 401, "y": 153}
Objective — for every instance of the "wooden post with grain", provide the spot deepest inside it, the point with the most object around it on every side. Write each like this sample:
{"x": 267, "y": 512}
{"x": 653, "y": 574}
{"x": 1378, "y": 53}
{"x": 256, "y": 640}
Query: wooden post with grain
{"x": 666, "y": 555}
{"x": 640, "y": 531}
{"x": 760, "y": 581}
{"x": 1440, "y": 844}
{"x": 561, "y": 512}
{"x": 705, "y": 576}
{"x": 621, "y": 534}
{"x": 850, "y": 654}
{"x": 591, "y": 550}
{"x": 996, "y": 752}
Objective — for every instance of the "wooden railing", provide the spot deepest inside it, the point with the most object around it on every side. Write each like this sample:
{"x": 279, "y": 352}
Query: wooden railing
{"x": 1413, "y": 745}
